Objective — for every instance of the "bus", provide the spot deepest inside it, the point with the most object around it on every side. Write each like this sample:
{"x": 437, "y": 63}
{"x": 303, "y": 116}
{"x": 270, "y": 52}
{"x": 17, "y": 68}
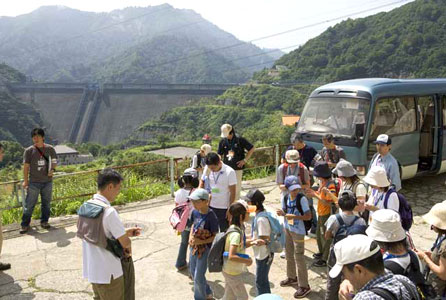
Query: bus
{"x": 411, "y": 111}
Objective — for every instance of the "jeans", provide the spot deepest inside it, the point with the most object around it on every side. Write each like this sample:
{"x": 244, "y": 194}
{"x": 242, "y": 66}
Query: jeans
{"x": 221, "y": 216}
{"x": 198, "y": 267}
{"x": 262, "y": 271}
{"x": 34, "y": 189}
{"x": 182, "y": 252}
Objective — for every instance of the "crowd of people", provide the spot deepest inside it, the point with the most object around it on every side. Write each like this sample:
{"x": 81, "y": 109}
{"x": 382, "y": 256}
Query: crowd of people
{"x": 362, "y": 226}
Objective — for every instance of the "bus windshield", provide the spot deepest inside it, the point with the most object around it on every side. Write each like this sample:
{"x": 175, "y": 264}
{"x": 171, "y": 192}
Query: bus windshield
{"x": 338, "y": 116}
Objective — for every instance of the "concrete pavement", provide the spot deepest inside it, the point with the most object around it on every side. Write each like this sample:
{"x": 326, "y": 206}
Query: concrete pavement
{"x": 48, "y": 264}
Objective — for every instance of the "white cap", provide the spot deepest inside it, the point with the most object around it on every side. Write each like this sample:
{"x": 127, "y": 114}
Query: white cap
{"x": 383, "y": 139}
{"x": 352, "y": 249}
{"x": 377, "y": 176}
{"x": 225, "y": 130}
{"x": 206, "y": 148}
{"x": 292, "y": 156}
{"x": 386, "y": 226}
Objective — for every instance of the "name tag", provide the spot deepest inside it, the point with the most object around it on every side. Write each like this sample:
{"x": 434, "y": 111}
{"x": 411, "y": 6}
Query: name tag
{"x": 215, "y": 191}
{"x": 41, "y": 162}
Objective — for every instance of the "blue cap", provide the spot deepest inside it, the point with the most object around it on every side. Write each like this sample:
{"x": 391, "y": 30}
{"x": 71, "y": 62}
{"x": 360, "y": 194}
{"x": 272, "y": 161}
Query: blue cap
{"x": 292, "y": 183}
{"x": 199, "y": 194}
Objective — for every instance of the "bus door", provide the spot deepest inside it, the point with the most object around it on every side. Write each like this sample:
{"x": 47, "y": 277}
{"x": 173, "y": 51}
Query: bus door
{"x": 397, "y": 117}
{"x": 429, "y": 124}
{"x": 441, "y": 158}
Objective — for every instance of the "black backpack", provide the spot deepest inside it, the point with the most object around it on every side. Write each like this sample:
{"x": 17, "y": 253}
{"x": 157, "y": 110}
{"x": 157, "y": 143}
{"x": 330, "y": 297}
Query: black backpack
{"x": 307, "y": 223}
{"x": 346, "y": 230}
{"x": 215, "y": 257}
{"x": 413, "y": 272}
{"x": 388, "y": 295}
{"x": 197, "y": 155}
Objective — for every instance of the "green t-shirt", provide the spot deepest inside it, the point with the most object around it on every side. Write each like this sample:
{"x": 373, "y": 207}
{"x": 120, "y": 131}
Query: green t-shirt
{"x": 232, "y": 267}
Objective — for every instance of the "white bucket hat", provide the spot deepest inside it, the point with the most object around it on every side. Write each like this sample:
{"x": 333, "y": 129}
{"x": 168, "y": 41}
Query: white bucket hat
{"x": 344, "y": 168}
{"x": 377, "y": 176}
{"x": 292, "y": 156}
{"x": 386, "y": 226}
{"x": 436, "y": 216}
{"x": 225, "y": 130}
{"x": 352, "y": 249}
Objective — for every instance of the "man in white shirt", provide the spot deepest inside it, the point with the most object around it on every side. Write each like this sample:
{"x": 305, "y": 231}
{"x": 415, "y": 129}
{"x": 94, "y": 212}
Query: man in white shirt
{"x": 100, "y": 266}
{"x": 222, "y": 181}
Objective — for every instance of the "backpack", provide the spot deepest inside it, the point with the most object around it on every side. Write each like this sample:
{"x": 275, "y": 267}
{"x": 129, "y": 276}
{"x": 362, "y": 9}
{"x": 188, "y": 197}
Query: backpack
{"x": 337, "y": 182}
{"x": 215, "y": 257}
{"x": 180, "y": 215}
{"x": 405, "y": 209}
{"x": 301, "y": 174}
{"x": 346, "y": 230}
{"x": 277, "y": 236}
{"x": 388, "y": 295}
{"x": 307, "y": 223}
{"x": 413, "y": 272}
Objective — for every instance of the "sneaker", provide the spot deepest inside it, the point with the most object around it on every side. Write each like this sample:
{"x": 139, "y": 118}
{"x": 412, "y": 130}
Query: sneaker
{"x": 24, "y": 229}
{"x": 210, "y": 297}
{"x": 288, "y": 282}
{"x": 317, "y": 256}
{"x": 45, "y": 225}
{"x": 302, "y": 292}
{"x": 319, "y": 263}
{"x": 4, "y": 267}
{"x": 182, "y": 268}
{"x": 282, "y": 255}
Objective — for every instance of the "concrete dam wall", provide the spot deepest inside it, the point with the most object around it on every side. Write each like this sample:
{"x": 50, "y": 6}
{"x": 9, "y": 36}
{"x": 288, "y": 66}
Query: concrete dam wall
{"x": 107, "y": 113}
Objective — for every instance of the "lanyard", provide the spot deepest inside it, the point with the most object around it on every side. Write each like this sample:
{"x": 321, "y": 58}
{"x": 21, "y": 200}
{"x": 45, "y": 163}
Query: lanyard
{"x": 40, "y": 152}
{"x": 216, "y": 177}
{"x": 438, "y": 242}
{"x": 203, "y": 219}
{"x": 379, "y": 199}
{"x": 390, "y": 256}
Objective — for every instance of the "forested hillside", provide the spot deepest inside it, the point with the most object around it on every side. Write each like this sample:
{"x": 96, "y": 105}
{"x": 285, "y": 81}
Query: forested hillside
{"x": 407, "y": 42}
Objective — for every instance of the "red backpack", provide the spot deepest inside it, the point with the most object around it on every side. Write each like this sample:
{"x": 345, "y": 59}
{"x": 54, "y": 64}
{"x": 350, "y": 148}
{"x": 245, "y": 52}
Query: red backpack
{"x": 301, "y": 172}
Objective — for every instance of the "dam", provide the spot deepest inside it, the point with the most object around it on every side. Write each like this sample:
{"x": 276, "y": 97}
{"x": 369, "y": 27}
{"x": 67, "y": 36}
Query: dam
{"x": 105, "y": 113}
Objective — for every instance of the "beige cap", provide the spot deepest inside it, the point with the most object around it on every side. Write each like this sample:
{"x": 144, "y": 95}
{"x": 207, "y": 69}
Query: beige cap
{"x": 206, "y": 148}
{"x": 225, "y": 130}
{"x": 437, "y": 216}
{"x": 292, "y": 156}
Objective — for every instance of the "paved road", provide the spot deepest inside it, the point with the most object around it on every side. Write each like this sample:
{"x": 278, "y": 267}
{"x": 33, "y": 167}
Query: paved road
{"x": 47, "y": 265}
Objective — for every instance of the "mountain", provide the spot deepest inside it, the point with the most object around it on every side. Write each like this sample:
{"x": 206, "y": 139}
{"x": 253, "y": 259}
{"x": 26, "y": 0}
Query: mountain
{"x": 16, "y": 118}
{"x": 55, "y": 43}
{"x": 406, "y": 42}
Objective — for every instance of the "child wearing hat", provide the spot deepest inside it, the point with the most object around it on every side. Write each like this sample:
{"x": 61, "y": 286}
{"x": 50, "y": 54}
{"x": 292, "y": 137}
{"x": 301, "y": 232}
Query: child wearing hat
{"x": 378, "y": 181}
{"x": 327, "y": 186}
{"x": 204, "y": 228}
{"x": 295, "y": 209}
{"x": 260, "y": 235}
{"x": 436, "y": 260}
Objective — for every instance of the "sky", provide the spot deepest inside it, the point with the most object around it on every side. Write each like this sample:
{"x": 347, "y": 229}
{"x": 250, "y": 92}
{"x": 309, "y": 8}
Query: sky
{"x": 248, "y": 20}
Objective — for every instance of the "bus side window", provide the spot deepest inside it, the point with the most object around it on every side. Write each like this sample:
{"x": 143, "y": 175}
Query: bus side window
{"x": 444, "y": 111}
{"x": 394, "y": 115}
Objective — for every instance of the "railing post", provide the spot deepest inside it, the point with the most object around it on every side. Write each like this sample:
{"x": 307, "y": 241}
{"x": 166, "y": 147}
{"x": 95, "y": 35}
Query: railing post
{"x": 172, "y": 177}
{"x": 277, "y": 147}
{"x": 22, "y": 196}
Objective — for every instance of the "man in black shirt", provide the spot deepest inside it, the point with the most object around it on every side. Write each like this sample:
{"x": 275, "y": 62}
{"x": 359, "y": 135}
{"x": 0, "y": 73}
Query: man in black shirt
{"x": 3, "y": 266}
{"x": 235, "y": 151}
{"x": 306, "y": 153}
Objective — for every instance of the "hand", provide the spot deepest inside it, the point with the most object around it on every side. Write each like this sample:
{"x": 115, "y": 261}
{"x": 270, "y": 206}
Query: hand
{"x": 25, "y": 185}
{"x": 370, "y": 207}
{"x": 128, "y": 252}
{"x": 228, "y": 215}
{"x": 50, "y": 173}
{"x": 289, "y": 216}
{"x": 248, "y": 262}
{"x": 192, "y": 242}
{"x": 282, "y": 187}
{"x": 428, "y": 254}
{"x": 280, "y": 212}
{"x": 260, "y": 242}
{"x": 241, "y": 163}
{"x": 134, "y": 231}
{"x": 310, "y": 192}
{"x": 346, "y": 290}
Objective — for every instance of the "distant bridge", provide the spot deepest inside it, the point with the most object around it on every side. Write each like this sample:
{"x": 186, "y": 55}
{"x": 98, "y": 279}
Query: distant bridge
{"x": 105, "y": 113}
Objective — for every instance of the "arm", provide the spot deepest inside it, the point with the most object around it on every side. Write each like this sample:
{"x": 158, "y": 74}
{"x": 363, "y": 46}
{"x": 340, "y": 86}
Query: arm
{"x": 25, "y": 175}
{"x": 232, "y": 189}
{"x": 328, "y": 235}
{"x": 234, "y": 257}
{"x": 126, "y": 244}
{"x": 439, "y": 270}
{"x": 394, "y": 174}
{"x": 305, "y": 217}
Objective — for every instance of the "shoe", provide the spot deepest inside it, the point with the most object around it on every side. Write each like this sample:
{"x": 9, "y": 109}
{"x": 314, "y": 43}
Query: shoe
{"x": 317, "y": 255}
{"x": 288, "y": 282}
{"x": 210, "y": 297}
{"x": 282, "y": 255}
{"x": 182, "y": 268}
{"x": 313, "y": 230}
{"x": 302, "y": 292}
{"x": 24, "y": 229}
{"x": 4, "y": 267}
{"x": 319, "y": 263}
{"x": 45, "y": 225}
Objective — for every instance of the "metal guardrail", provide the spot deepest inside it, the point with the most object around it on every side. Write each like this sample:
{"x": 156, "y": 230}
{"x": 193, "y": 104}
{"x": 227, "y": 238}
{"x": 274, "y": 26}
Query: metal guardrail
{"x": 157, "y": 171}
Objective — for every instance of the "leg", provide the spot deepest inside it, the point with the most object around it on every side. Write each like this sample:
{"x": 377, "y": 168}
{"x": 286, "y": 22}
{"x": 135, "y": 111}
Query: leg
{"x": 326, "y": 243}
{"x": 239, "y": 174}
{"x": 201, "y": 287}
{"x": 229, "y": 291}
{"x": 182, "y": 252}
{"x": 237, "y": 290}
{"x": 299, "y": 248}
{"x": 319, "y": 236}
{"x": 192, "y": 264}
{"x": 333, "y": 287}
{"x": 129, "y": 278}
{"x": 221, "y": 216}
{"x": 262, "y": 271}
{"x": 45, "y": 195}
{"x": 30, "y": 202}
{"x": 112, "y": 291}
{"x": 289, "y": 252}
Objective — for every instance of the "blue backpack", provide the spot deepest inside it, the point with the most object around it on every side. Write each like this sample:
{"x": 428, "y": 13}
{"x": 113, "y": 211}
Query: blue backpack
{"x": 405, "y": 209}
{"x": 346, "y": 230}
{"x": 277, "y": 236}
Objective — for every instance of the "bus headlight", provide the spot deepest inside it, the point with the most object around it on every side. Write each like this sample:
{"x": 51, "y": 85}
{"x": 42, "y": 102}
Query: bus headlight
{"x": 360, "y": 170}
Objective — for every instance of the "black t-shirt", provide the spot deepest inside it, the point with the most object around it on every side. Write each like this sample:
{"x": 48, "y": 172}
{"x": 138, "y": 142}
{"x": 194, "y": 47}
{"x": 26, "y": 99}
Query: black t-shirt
{"x": 238, "y": 145}
{"x": 307, "y": 154}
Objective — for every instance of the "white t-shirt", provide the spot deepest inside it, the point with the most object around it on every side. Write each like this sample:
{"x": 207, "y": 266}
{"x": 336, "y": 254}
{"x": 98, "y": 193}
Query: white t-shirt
{"x": 361, "y": 191}
{"x": 181, "y": 198}
{"x": 220, "y": 182}
{"x": 100, "y": 264}
{"x": 263, "y": 228}
{"x": 377, "y": 199}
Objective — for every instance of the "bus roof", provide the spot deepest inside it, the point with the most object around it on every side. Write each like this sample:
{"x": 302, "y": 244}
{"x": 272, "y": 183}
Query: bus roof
{"x": 380, "y": 87}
